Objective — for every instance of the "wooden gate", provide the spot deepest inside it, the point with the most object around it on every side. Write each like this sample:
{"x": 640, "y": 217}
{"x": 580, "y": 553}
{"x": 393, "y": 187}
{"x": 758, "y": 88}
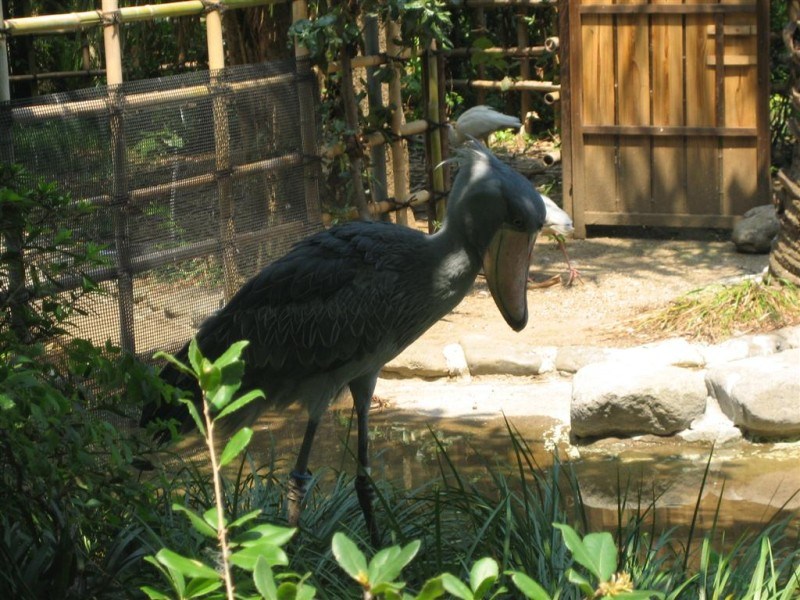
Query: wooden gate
{"x": 667, "y": 116}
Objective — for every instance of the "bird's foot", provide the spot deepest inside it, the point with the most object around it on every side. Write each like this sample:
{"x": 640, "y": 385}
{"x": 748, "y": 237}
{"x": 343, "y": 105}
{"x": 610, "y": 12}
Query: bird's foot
{"x": 379, "y": 403}
{"x": 550, "y": 282}
{"x": 573, "y": 275}
{"x": 366, "y": 498}
{"x": 295, "y": 494}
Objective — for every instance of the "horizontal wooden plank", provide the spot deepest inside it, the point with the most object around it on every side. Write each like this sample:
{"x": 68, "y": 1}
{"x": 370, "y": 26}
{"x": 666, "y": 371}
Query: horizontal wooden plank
{"x": 666, "y": 9}
{"x": 674, "y": 131}
{"x": 661, "y": 219}
{"x": 734, "y": 30}
{"x": 733, "y": 61}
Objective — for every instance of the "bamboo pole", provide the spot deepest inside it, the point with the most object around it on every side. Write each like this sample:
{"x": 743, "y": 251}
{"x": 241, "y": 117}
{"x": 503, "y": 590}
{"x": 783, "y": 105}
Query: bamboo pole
{"x": 532, "y": 86}
{"x": 524, "y": 72}
{"x": 119, "y": 160}
{"x": 61, "y": 23}
{"x": 400, "y": 167}
{"x": 57, "y": 75}
{"x": 377, "y": 138}
{"x": 377, "y": 154}
{"x": 5, "y": 86}
{"x": 222, "y": 151}
{"x": 480, "y": 16}
{"x": 308, "y": 127}
{"x": 380, "y": 208}
{"x": 513, "y": 51}
{"x": 434, "y": 137}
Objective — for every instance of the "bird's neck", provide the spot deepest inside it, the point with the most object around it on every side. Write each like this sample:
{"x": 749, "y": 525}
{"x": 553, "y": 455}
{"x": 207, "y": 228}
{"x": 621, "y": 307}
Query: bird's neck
{"x": 459, "y": 261}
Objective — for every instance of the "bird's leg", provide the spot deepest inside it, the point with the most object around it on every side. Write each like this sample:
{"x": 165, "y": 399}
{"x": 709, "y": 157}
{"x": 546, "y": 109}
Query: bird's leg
{"x": 299, "y": 477}
{"x": 573, "y": 272}
{"x": 362, "y": 390}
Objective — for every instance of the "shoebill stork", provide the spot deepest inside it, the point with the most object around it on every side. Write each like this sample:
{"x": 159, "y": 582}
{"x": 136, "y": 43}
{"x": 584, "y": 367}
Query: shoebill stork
{"x": 481, "y": 121}
{"x": 328, "y": 315}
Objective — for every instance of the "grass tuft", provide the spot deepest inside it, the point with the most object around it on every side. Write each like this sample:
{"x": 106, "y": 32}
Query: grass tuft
{"x": 716, "y": 312}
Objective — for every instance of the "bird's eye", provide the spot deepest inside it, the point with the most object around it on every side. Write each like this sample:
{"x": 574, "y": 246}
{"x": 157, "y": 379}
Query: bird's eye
{"x": 517, "y": 223}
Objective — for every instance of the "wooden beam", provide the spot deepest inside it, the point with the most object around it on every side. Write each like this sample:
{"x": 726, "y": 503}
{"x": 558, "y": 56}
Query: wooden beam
{"x": 668, "y": 131}
{"x": 665, "y": 9}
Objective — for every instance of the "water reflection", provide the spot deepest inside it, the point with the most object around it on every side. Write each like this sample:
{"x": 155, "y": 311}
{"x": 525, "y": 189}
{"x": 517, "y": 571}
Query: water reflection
{"x": 745, "y": 486}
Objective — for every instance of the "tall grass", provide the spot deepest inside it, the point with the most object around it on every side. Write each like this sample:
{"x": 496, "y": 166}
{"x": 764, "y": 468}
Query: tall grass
{"x": 509, "y": 515}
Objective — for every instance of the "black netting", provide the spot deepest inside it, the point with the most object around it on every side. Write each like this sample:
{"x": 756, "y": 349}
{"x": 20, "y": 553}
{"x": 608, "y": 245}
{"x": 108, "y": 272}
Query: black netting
{"x": 198, "y": 181}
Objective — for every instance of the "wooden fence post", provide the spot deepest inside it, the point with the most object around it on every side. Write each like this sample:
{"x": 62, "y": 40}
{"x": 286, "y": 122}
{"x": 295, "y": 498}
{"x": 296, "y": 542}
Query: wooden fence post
{"x": 120, "y": 196}
{"x": 523, "y": 41}
{"x": 377, "y": 154}
{"x": 434, "y": 135}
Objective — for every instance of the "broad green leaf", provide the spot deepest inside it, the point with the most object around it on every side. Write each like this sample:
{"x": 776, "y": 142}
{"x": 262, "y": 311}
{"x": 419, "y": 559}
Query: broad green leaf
{"x": 432, "y": 589}
{"x": 305, "y": 592}
{"x": 576, "y": 546}
{"x": 240, "y": 402}
{"x": 189, "y": 567}
{"x": 236, "y": 445}
{"x": 639, "y": 595}
{"x": 197, "y": 521}
{"x": 387, "y": 564}
{"x": 273, "y": 534}
{"x": 603, "y": 551}
{"x": 262, "y": 577}
{"x": 529, "y": 587}
{"x": 246, "y": 557}
{"x": 210, "y": 377}
{"x": 200, "y": 587}
{"x": 577, "y": 579}
{"x": 231, "y": 355}
{"x": 482, "y": 576}
{"x": 175, "y": 362}
{"x": 154, "y": 594}
{"x": 6, "y": 402}
{"x": 350, "y": 558}
{"x": 211, "y": 516}
{"x": 456, "y": 587}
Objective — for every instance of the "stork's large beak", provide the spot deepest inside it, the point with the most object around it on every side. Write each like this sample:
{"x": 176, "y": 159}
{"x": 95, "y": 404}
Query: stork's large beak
{"x": 505, "y": 265}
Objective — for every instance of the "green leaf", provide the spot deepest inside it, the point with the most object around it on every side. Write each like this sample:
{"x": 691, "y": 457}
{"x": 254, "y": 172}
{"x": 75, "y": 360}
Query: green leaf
{"x": 236, "y": 445}
{"x": 231, "y": 355}
{"x": 201, "y": 587}
{"x": 188, "y": 567}
{"x": 262, "y": 577}
{"x": 482, "y": 576}
{"x": 529, "y": 587}
{"x": 350, "y": 558}
{"x": 211, "y": 516}
{"x": 640, "y": 595}
{"x": 266, "y": 533}
{"x": 194, "y": 414}
{"x": 6, "y": 403}
{"x": 456, "y": 587}
{"x": 245, "y": 518}
{"x": 195, "y": 357}
{"x": 240, "y": 402}
{"x": 154, "y": 594}
{"x": 210, "y": 378}
{"x": 579, "y": 551}
{"x": 432, "y": 589}
{"x": 200, "y": 525}
{"x": 577, "y": 579}
{"x": 246, "y": 557}
{"x": 305, "y": 592}
{"x": 387, "y": 564}
{"x": 603, "y": 552}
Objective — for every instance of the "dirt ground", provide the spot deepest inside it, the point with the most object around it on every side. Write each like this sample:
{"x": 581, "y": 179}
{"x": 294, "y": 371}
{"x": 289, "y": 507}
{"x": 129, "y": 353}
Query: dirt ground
{"x": 622, "y": 277}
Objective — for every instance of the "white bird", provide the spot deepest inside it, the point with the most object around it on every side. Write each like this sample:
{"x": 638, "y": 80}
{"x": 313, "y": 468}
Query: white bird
{"x": 480, "y": 121}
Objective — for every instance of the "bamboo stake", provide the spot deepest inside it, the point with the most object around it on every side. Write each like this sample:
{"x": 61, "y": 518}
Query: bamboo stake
{"x": 222, "y": 143}
{"x": 480, "y": 15}
{"x": 434, "y": 138}
{"x": 532, "y": 86}
{"x": 308, "y": 128}
{"x": 377, "y": 154}
{"x": 61, "y": 23}
{"x": 515, "y": 51}
{"x": 5, "y": 86}
{"x": 524, "y": 71}
{"x": 400, "y": 167}
{"x": 380, "y": 208}
{"x": 119, "y": 159}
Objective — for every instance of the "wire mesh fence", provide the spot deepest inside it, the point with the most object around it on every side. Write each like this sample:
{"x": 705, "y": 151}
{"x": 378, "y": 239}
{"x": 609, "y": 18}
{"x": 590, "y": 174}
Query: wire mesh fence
{"x": 196, "y": 182}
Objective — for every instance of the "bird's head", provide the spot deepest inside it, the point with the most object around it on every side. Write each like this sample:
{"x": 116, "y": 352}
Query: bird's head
{"x": 501, "y": 214}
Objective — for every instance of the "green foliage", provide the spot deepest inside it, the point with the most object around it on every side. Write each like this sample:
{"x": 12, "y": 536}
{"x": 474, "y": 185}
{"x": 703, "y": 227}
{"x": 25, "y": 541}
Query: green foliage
{"x": 36, "y": 258}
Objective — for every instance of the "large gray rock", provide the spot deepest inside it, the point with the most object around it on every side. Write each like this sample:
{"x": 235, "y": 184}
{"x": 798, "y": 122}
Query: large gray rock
{"x": 614, "y": 398}
{"x": 761, "y": 395}
{"x": 571, "y": 359}
{"x": 754, "y": 233}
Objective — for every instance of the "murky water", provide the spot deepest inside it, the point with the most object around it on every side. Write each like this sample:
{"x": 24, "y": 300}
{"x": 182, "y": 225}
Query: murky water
{"x": 746, "y": 484}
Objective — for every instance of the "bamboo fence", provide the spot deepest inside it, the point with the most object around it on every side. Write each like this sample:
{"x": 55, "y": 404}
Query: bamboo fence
{"x": 122, "y": 200}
